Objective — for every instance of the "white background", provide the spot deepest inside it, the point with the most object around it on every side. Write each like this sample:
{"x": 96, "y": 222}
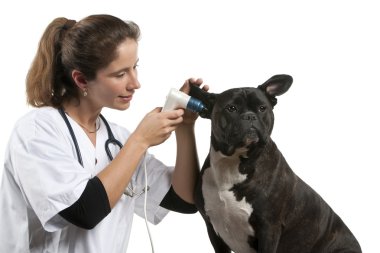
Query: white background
{"x": 327, "y": 125}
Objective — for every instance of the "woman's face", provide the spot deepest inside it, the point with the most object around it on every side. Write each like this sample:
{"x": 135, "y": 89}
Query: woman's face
{"x": 115, "y": 84}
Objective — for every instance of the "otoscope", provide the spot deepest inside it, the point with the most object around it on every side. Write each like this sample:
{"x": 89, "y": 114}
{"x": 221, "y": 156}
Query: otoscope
{"x": 178, "y": 99}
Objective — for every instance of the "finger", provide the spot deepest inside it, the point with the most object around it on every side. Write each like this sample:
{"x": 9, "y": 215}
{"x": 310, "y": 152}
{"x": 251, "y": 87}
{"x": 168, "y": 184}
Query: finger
{"x": 171, "y": 129}
{"x": 157, "y": 109}
{"x": 174, "y": 114}
{"x": 191, "y": 81}
{"x": 166, "y": 132}
{"x": 195, "y": 81}
{"x": 175, "y": 122}
{"x": 205, "y": 87}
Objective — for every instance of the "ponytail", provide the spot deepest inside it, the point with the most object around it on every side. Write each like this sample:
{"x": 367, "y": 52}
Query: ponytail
{"x": 44, "y": 86}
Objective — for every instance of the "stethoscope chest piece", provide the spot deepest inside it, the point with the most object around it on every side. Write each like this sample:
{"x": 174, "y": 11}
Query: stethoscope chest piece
{"x": 131, "y": 193}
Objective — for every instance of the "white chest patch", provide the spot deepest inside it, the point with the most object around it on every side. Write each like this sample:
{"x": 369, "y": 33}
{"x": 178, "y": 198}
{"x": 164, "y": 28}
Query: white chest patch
{"x": 228, "y": 216}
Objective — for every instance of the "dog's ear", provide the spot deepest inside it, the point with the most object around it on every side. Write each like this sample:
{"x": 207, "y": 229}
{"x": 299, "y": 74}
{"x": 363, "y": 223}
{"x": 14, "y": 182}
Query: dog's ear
{"x": 208, "y": 99}
{"x": 276, "y": 86}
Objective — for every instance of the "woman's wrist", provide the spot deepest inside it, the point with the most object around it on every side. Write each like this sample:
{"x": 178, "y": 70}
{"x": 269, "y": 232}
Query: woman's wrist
{"x": 138, "y": 142}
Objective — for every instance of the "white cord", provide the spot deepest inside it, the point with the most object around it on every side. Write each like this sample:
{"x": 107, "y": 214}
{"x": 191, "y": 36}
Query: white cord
{"x": 145, "y": 204}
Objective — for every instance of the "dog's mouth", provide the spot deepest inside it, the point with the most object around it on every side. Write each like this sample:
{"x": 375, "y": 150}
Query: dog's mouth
{"x": 238, "y": 142}
{"x": 247, "y": 143}
{"x": 251, "y": 137}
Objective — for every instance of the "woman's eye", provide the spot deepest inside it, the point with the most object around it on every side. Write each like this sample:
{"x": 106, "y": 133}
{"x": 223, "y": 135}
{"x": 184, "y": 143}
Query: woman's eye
{"x": 120, "y": 75}
{"x": 135, "y": 67}
{"x": 231, "y": 108}
{"x": 262, "y": 108}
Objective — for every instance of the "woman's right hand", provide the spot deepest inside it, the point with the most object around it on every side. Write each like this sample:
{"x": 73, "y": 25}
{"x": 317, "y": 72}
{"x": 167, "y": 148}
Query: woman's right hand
{"x": 156, "y": 127}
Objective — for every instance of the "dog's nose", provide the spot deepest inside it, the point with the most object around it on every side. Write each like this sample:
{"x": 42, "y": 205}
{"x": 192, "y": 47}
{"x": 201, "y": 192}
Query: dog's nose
{"x": 248, "y": 116}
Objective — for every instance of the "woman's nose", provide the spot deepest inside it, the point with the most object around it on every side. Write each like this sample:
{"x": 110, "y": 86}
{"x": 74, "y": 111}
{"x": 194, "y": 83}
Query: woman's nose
{"x": 133, "y": 82}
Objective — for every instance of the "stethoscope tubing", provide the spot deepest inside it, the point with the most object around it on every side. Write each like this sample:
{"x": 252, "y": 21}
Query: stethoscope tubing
{"x": 111, "y": 139}
{"x": 79, "y": 156}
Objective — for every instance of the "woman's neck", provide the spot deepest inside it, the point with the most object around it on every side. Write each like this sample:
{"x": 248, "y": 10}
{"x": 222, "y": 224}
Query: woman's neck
{"x": 85, "y": 116}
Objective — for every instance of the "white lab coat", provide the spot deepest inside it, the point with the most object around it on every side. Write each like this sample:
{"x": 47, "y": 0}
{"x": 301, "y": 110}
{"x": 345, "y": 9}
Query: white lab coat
{"x": 42, "y": 176}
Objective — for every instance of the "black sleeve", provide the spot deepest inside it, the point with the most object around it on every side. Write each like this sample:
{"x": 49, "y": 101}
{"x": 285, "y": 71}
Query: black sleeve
{"x": 91, "y": 207}
{"x": 175, "y": 203}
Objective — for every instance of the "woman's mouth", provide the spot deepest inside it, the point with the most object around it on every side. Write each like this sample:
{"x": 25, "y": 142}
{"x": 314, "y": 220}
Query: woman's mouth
{"x": 126, "y": 99}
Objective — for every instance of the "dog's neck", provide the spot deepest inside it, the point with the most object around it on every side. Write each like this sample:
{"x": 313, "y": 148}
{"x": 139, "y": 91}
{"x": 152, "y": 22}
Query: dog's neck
{"x": 260, "y": 157}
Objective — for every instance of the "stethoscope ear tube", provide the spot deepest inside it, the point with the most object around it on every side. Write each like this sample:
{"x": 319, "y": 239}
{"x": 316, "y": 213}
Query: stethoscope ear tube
{"x": 63, "y": 114}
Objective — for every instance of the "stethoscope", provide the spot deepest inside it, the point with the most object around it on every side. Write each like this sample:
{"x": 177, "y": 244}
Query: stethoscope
{"x": 110, "y": 141}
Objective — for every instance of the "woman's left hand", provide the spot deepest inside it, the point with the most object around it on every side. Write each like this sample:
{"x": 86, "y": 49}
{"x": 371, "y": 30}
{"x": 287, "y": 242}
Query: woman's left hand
{"x": 190, "y": 117}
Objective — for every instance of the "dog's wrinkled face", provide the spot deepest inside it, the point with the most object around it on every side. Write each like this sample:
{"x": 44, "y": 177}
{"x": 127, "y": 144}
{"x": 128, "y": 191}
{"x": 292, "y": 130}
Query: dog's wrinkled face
{"x": 242, "y": 118}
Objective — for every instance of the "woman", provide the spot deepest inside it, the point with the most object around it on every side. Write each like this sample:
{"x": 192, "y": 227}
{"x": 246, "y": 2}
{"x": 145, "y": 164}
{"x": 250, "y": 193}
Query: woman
{"x": 61, "y": 190}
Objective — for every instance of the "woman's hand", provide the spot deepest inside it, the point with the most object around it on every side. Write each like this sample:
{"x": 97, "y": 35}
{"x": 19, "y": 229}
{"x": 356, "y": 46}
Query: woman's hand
{"x": 190, "y": 117}
{"x": 156, "y": 127}
{"x": 153, "y": 129}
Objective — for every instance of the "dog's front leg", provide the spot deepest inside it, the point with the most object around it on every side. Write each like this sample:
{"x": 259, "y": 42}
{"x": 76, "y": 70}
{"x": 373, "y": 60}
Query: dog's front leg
{"x": 219, "y": 245}
{"x": 268, "y": 240}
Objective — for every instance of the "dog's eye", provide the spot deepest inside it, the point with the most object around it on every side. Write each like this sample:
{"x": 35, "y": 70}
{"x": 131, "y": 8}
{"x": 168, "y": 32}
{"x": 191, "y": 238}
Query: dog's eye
{"x": 231, "y": 108}
{"x": 262, "y": 108}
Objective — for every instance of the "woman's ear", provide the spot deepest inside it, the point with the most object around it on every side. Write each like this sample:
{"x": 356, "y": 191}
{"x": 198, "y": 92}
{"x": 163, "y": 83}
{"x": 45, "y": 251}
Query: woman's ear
{"x": 79, "y": 79}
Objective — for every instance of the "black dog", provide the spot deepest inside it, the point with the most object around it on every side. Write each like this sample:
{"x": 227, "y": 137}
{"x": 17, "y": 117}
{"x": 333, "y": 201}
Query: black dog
{"x": 247, "y": 194}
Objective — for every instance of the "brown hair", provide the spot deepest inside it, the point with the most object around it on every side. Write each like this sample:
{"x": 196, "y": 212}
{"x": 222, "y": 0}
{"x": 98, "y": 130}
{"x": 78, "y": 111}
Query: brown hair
{"x": 87, "y": 46}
